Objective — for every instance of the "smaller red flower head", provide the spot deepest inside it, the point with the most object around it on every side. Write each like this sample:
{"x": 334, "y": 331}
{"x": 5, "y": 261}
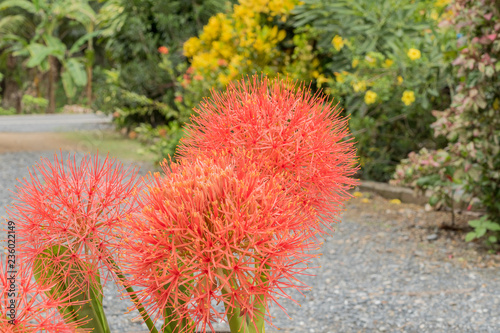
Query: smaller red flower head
{"x": 299, "y": 134}
{"x": 163, "y": 50}
{"x": 214, "y": 230}
{"x": 26, "y": 307}
{"x": 76, "y": 205}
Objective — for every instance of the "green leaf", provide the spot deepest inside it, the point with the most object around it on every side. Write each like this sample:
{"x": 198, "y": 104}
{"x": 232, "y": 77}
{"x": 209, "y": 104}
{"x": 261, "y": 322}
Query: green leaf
{"x": 476, "y": 223}
{"x": 38, "y": 53}
{"x": 492, "y": 239}
{"x": 77, "y": 71}
{"x": 68, "y": 282}
{"x": 427, "y": 180}
{"x": 470, "y": 236}
{"x": 492, "y": 226}
{"x": 68, "y": 84}
{"x": 56, "y": 46}
{"x": 26, "y": 5}
{"x": 82, "y": 40}
{"x": 480, "y": 232}
{"x": 433, "y": 200}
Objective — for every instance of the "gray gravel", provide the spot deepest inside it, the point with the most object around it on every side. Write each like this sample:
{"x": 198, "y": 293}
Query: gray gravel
{"x": 382, "y": 286}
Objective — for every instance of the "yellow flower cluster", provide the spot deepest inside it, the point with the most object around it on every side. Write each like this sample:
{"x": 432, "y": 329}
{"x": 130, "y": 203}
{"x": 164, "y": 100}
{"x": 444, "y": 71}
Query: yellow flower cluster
{"x": 340, "y": 77}
{"x": 338, "y": 42}
{"x": 442, "y": 3}
{"x": 388, "y": 63}
{"x": 414, "y": 54}
{"x": 370, "y": 97}
{"x": 408, "y": 97}
{"x": 242, "y": 37}
{"x": 359, "y": 86}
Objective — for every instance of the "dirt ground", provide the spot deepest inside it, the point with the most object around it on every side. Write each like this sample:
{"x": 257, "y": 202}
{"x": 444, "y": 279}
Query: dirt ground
{"x": 13, "y": 142}
{"x": 436, "y": 238}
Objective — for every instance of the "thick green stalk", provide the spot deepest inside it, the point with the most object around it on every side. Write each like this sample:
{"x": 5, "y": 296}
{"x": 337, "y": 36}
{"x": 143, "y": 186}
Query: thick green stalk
{"x": 236, "y": 321}
{"x": 259, "y": 326}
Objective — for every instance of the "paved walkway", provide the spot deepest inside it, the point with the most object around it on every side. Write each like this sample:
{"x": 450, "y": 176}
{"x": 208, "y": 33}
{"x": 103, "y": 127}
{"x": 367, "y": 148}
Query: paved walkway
{"x": 53, "y": 122}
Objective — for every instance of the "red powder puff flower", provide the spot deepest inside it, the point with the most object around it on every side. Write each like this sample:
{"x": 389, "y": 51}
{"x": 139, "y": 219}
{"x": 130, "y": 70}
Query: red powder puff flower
{"x": 222, "y": 62}
{"x": 283, "y": 124}
{"x": 75, "y": 205}
{"x": 163, "y": 50}
{"x": 212, "y": 231}
{"x": 26, "y": 307}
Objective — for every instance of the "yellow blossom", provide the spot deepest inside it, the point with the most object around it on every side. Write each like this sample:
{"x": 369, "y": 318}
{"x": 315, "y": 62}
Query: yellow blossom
{"x": 395, "y": 201}
{"x": 408, "y": 97}
{"x": 357, "y": 194}
{"x": 365, "y": 200}
{"x": 258, "y": 45}
{"x": 315, "y": 74}
{"x": 388, "y": 63}
{"x": 400, "y": 79}
{"x": 281, "y": 35}
{"x": 337, "y": 42}
{"x": 212, "y": 29}
{"x": 191, "y": 46}
{"x": 442, "y": 3}
{"x": 414, "y": 54}
{"x": 355, "y": 63}
{"x": 370, "y": 97}
{"x": 321, "y": 79}
{"x": 223, "y": 79}
{"x": 339, "y": 77}
{"x": 359, "y": 86}
{"x": 434, "y": 15}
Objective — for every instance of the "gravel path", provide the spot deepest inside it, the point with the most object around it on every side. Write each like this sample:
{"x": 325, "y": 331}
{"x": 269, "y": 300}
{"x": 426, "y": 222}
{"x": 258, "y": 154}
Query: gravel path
{"x": 369, "y": 281}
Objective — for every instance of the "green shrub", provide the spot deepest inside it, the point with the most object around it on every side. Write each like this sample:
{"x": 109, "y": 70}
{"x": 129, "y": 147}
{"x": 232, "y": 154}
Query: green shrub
{"x": 472, "y": 122}
{"x": 133, "y": 32}
{"x": 32, "y": 104}
{"x": 389, "y": 65}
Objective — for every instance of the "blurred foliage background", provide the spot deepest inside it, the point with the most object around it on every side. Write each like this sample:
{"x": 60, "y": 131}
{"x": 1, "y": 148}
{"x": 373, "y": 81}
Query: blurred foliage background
{"x": 393, "y": 65}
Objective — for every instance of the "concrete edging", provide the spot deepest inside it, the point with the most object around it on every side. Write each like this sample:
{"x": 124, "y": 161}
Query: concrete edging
{"x": 387, "y": 191}
{"x": 407, "y": 195}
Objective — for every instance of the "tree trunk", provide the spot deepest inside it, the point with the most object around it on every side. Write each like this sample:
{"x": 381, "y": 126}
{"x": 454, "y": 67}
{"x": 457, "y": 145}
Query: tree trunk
{"x": 90, "y": 62}
{"x": 11, "y": 91}
{"x": 89, "y": 84}
{"x": 52, "y": 88}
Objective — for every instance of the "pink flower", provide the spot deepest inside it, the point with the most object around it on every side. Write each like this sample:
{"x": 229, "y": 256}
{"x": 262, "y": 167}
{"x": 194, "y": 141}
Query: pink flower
{"x": 214, "y": 230}
{"x": 283, "y": 128}
{"x": 75, "y": 205}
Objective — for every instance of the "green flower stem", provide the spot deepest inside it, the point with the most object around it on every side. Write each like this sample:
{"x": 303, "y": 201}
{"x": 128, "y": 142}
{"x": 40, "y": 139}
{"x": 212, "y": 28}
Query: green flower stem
{"x": 133, "y": 297}
{"x": 236, "y": 321}
{"x": 259, "y": 326}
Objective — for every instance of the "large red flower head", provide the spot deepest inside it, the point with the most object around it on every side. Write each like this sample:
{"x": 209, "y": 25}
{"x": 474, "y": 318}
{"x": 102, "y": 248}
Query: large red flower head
{"x": 211, "y": 232}
{"x": 25, "y": 306}
{"x": 74, "y": 205}
{"x": 293, "y": 131}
